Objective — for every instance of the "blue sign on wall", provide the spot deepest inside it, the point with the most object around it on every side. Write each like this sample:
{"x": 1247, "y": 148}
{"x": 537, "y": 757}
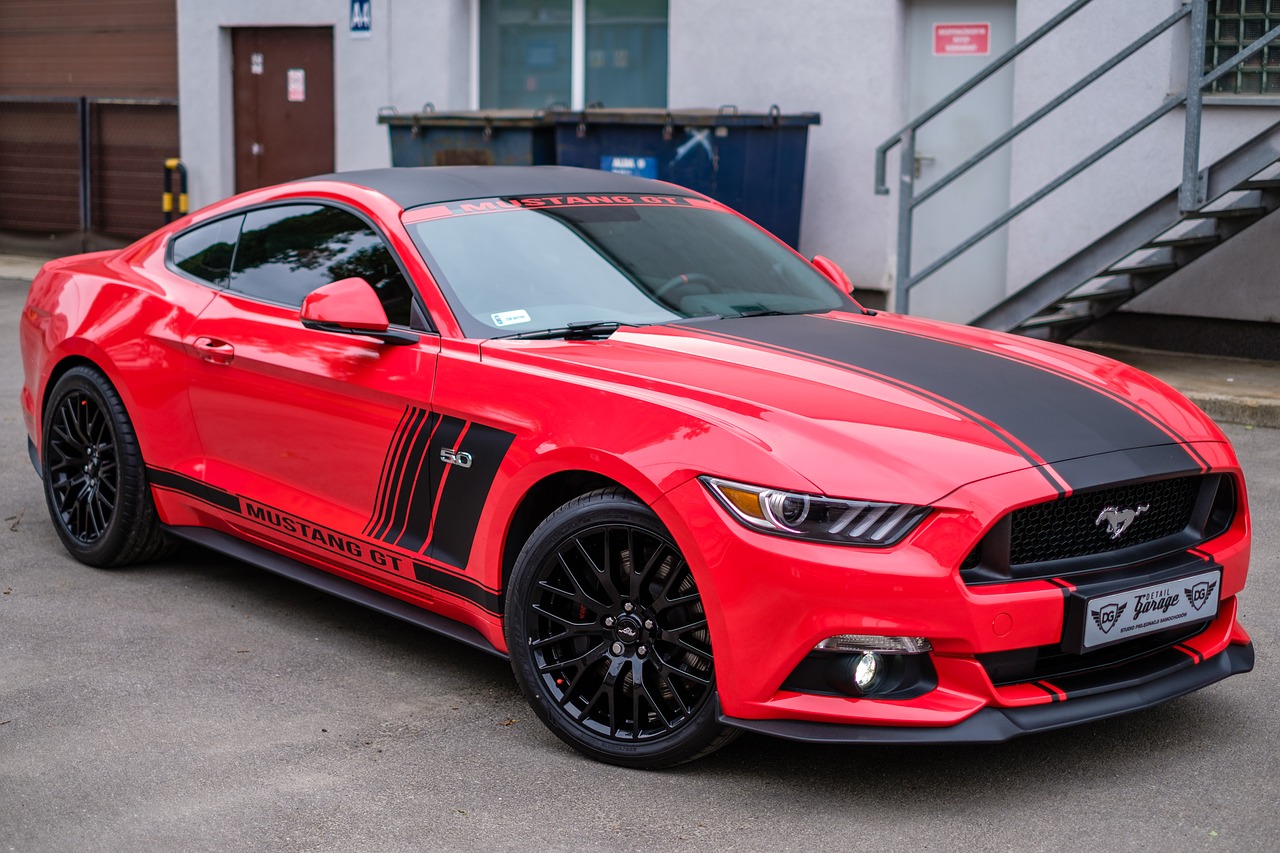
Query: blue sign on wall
{"x": 361, "y": 18}
{"x": 641, "y": 167}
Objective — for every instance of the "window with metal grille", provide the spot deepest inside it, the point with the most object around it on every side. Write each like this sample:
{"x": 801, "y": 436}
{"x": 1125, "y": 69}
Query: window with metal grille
{"x": 1233, "y": 26}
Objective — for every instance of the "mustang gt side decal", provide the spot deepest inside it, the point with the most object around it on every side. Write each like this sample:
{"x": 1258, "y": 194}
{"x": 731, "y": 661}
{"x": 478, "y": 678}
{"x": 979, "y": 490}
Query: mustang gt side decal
{"x": 369, "y": 556}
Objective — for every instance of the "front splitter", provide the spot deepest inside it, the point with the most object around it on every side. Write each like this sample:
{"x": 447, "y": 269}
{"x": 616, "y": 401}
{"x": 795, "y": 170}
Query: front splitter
{"x": 996, "y": 725}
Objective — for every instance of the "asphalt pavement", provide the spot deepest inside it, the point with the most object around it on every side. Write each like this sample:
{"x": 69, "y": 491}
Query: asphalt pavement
{"x": 198, "y": 704}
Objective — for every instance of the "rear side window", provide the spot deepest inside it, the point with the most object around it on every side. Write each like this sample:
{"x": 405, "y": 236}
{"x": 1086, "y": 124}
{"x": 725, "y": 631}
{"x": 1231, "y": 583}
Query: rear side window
{"x": 205, "y": 253}
{"x": 286, "y": 252}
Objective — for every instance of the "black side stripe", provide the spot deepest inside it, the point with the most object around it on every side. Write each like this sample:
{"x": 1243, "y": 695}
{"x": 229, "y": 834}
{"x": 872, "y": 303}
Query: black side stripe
{"x": 1187, "y": 650}
{"x": 408, "y": 478}
{"x": 413, "y": 536}
{"x": 464, "y": 494}
{"x": 1058, "y": 419}
{"x": 176, "y": 482}
{"x": 384, "y": 483}
{"x": 1057, "y": 695}
{"x": 325, "y": 538}
{"x": 1062, "y": 585}
{"x": 426, "y": 505}
{"x": 459, "y": 586}
{"x": 1188, "y": 446}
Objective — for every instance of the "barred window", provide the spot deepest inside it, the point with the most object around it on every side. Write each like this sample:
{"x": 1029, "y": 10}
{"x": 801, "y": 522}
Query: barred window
{"x": 1233, "y": 26}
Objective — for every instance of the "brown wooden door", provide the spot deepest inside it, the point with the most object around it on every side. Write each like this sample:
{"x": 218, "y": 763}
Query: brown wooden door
{"x": 283, "y": 82}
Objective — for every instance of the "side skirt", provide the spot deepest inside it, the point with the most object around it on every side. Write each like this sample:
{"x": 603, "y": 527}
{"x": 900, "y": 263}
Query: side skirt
{"x": 341, "y": 587}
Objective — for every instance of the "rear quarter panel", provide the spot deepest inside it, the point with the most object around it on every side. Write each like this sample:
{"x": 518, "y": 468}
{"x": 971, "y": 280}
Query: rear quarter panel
{"x": 125, "y": 314}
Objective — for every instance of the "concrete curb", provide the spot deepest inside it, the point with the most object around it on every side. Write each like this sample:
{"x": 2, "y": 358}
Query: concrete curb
{"x": 19, "y": 268}
{"x": 1248, "y": 411}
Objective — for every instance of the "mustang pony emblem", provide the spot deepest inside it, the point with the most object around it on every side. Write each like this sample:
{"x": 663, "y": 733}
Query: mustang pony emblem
{"x": 1118, "y": 520}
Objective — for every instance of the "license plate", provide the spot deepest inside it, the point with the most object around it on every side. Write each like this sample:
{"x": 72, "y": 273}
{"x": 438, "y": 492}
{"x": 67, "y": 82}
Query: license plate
{"x": 1124, "y": 615}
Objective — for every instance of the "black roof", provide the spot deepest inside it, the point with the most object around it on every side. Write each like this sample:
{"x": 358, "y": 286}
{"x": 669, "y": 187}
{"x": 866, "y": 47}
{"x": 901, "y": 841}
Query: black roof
{"x": 419, "y": 185}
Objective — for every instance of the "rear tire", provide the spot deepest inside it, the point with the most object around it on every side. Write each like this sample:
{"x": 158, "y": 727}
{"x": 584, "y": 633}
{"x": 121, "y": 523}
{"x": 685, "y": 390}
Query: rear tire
{"x": 608, "y": 636}
{"x": 95, "y": 481}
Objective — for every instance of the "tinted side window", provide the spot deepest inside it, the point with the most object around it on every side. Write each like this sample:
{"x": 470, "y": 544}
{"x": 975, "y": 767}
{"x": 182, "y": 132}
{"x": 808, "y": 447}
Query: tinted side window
{"x": 287, "y": 252}
{"x": 205, "y": 253}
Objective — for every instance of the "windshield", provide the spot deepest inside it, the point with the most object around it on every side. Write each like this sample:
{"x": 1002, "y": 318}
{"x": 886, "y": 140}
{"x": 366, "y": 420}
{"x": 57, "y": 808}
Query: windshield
{"x": 511, "y": 267}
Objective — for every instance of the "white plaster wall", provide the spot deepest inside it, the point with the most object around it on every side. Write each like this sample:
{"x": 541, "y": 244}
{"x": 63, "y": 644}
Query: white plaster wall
{"x": 418, "y": 51}
{"x": 1145, "y": 168}
{"x": 842, "y": 59}
{"x": 1237, "y": 281}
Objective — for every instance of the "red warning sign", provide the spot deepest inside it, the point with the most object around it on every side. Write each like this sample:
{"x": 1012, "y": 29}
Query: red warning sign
{"x": 962, "y": 39}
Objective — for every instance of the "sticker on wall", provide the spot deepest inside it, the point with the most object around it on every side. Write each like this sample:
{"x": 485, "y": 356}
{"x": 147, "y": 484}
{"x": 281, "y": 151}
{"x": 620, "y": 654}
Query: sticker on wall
{"x": 255, "y": 63}
{"x": 361, "y": 18}
{"x": 962, "y": 39}
{"x": 297, "y": 84}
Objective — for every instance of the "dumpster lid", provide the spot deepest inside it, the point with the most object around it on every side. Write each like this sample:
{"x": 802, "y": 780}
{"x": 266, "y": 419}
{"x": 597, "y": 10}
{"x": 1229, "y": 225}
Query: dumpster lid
{"x": 726, "y": 116}
{"x": 470, "y": 118}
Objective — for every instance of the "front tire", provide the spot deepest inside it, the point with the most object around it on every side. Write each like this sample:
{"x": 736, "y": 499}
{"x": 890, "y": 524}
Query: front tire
{"x": 95, "y": 481}
{"x": 608, "y": 636}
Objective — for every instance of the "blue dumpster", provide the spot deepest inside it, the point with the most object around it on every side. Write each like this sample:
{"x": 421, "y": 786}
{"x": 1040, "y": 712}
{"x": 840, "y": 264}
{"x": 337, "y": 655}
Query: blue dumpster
{"x": 472, "y": 138}
{"x": 753, "y": 162}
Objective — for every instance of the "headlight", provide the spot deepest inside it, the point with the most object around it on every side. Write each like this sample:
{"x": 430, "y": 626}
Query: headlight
{"x": 814, "y": 517}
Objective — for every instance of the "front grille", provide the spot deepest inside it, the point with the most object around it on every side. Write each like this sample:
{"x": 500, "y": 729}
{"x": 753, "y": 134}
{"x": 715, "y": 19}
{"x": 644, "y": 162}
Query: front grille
{"x": 1069, "y": 536}
{"x": 1071, "y": 527}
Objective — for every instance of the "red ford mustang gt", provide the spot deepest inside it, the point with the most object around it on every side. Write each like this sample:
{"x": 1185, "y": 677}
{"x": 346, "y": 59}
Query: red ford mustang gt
{"x": 612, "y": 430}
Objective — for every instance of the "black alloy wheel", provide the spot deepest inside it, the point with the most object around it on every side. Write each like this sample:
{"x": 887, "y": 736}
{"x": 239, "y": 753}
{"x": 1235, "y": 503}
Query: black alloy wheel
{"x": 609, "y": 638}
{"x": 94, "y": 477}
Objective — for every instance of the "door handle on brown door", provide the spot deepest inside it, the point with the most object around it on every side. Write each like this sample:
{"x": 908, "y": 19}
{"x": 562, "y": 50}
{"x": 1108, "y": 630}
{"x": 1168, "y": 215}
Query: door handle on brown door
{"x": 214, "y": 351}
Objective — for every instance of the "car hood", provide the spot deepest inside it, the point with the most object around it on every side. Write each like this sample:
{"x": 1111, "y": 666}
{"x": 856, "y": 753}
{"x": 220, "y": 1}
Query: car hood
{"x": 897, "y": 408}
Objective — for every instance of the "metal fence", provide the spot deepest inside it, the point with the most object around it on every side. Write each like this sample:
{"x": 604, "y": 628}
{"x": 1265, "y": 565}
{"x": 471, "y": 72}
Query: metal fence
{"x": 87, "y": 166}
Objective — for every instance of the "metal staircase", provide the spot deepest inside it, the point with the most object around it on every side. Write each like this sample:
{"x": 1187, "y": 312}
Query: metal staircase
{"x": 1208, "y": 208}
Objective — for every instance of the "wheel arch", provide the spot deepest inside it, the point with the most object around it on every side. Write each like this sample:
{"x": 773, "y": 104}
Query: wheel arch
{"x": 543, "y": 498}
{"x": 64, "y": 363}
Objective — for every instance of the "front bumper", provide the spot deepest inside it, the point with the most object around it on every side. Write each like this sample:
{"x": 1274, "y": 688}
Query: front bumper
{"x": 996, "y": 725}
{"x": 771, "y": 600}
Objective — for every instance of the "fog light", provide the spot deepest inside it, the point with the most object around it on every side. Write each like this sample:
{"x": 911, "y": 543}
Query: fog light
{"x": 867, "y": 671}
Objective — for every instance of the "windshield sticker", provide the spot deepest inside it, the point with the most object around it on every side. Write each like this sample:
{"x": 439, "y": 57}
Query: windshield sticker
{"x": 492, "y": 205}
{"x": 509, "y": 318}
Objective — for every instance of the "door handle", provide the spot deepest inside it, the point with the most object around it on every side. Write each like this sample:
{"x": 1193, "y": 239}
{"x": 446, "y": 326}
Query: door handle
{"x": 214, "y": 351}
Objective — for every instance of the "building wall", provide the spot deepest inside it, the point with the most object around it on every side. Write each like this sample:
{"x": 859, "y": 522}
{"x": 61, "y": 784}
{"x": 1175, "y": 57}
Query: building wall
{"x": 1143, "y": 169}
{"x": 74, "y": 48}
{"x": 843, "y": 60}
{"x": 417, "y": 51}
{"x": 53, "y": 53}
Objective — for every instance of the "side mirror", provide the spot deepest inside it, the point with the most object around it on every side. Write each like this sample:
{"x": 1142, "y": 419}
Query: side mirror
{"x": 350, "y": 307}
{"x": 832, "y": 270}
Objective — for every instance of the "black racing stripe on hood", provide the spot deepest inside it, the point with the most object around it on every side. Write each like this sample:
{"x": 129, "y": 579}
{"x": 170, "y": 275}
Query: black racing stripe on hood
{"x": 1057, "y": 418}
{"x": 1181, "y": 441}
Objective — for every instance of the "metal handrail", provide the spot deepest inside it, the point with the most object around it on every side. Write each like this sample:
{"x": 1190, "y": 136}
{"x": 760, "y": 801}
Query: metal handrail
{"x": 1191, "y": 194}
{"x": 966, "y": 87}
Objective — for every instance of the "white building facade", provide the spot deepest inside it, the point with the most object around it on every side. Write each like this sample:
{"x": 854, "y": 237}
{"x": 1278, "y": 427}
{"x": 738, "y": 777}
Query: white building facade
{"x": 868, "y": 66}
